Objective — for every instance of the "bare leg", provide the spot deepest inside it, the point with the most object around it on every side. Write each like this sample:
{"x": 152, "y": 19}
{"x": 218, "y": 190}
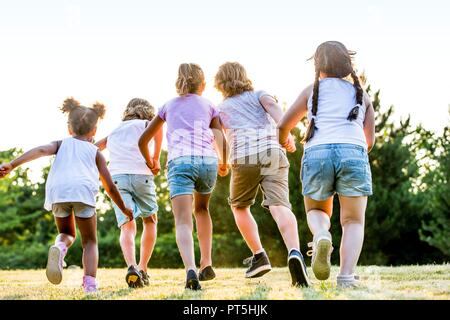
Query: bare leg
{"x": 248, "y": 228}
{"x": 127, "y": 235}
{"x": 182, "y": 210}
{"x": 318, "y": 214}
{"x": 148, "y": 240}
{"x": 88, "y": 231}
{"x": 66, "y": 229}
{"x": 287, "y": 224}
{"x": 204, "y": 228}
{"x": 352, "y": 221}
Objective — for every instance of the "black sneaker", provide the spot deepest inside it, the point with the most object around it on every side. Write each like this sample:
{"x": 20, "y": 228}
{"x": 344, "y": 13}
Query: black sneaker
{"x": 145, "y": 278}
{"x": 259, "y": 265}
{"x": 297, "y": 268}
{"x": 133, "y": 278}
{"x": 192, "y": 281}
{"x": 206, "y": 274}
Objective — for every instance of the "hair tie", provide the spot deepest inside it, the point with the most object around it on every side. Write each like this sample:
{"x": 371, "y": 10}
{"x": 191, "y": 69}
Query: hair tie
{"x": 353, "y": 115}
{"x": 313, "y": 117}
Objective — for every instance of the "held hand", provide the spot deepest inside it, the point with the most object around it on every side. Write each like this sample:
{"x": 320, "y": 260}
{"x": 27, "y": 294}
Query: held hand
{"x": 156, "y": 167}
{"x": 290, "y": 144}
{"x": 5, "y": 169}
{"x": 129, "y": 213}
{"x": 223, "y": 169}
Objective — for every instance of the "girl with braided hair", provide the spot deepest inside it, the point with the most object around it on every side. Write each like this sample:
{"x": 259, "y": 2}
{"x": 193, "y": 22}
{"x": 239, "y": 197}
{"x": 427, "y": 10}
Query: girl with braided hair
{"x": 340, "y": 134}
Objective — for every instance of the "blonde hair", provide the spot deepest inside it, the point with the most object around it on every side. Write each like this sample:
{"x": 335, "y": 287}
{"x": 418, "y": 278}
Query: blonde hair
{"x": 190, "y": 78}
{"x": 138, "y": 109}
{"x": 231, "y": 79}
{"x": 82, "y": 120}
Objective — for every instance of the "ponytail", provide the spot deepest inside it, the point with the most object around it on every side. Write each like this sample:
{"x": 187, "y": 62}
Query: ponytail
{"x": 359, "y": 97}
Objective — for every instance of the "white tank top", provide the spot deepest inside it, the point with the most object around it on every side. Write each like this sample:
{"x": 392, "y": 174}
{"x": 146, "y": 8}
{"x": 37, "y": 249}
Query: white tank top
{"x": 122, "y": 143}
{"x": 336, "y": 98}
{"x": 74, "y": 176}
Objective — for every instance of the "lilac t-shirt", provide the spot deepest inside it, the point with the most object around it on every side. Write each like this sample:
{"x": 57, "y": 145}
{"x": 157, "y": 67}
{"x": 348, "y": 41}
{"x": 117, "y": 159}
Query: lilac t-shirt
{"x": 188, "y": 120}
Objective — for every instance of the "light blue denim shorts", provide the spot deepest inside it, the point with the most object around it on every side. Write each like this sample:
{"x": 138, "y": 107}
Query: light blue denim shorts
{"x": 188, "y": 173}
{"x": 336, "y": 168}
{"x": 138, "y": 191}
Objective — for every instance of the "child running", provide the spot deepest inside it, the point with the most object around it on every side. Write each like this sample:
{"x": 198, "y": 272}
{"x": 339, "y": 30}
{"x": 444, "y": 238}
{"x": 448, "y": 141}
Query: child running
{"x": 134, "y": 179}
{"x": 249, "y": 118}
{"x": 71, "y": 188}
{"x": 341, "y": 131}
{"x": 192, "y": 125}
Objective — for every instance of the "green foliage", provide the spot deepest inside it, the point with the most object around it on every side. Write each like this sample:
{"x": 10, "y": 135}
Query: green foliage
{"x": 407, "y": 218}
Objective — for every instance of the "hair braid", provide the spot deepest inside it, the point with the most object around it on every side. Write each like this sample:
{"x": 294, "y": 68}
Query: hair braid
{"x": 359, "y": 97}
{"x": 315, "y": 102}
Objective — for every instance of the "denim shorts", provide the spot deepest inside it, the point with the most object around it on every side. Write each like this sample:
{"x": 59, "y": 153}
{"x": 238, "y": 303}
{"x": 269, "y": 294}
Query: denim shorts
{"x": 336, "y": 168}
{"x": 138, "y": 191}
{"x": 188, "y": 173}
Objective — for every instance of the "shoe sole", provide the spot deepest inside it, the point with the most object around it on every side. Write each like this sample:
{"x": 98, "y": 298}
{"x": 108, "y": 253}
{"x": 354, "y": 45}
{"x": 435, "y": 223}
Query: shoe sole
{"x": 298, "y": 275}
{"x": 321, "y": 265}
{"x": 258, "y": 272}
{"x": 133, "y": 281}
{"x": 53, "y": 270}
{"x": 193, "y": 284}
{"x": 202, "y": 278}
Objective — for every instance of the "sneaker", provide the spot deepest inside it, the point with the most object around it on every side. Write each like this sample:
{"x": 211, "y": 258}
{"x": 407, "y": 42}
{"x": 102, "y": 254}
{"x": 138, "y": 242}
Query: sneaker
{"x": 206, "y": 274}
{"x": 347, "y": 281}
{"x": 55, "y": 264}
{"x": 321, "y": 255}
{"x": 297, "y": 268}
{"x": 145, "y": 278}
{"x": 192, "y": 282}
{"x": 133, "y": 278}
{"x": 259, "y": 265}
{"x": 90, "y": 284}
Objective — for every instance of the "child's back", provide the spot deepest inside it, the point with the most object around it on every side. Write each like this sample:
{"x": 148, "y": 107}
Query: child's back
{"x": 188, "y": 120}
{"x": 74, "y": 176}
{"x": 337, "y": 97}
{"x": 122, "y": 143}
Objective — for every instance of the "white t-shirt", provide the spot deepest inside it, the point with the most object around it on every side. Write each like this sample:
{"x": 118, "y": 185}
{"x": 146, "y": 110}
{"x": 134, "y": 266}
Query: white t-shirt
{"x": 249, "y": 128}
{"x": 74, "y": 176}
{"x": 122, "y": 143}
{"x": 336, "y": 98}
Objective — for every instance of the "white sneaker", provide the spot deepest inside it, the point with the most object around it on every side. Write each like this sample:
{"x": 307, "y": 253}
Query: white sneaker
{"x": 54, "y": 265}
{"x": 347, "y": 281}
{"x": 321, "y": 255}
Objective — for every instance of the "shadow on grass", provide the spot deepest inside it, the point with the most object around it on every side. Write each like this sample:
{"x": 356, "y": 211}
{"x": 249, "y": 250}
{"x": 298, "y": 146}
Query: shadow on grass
{"x": 15, "y": 297}
{"x": 186, "y": 295}
{"x": 110, "y": 295}
{"x": 260, "y": 293}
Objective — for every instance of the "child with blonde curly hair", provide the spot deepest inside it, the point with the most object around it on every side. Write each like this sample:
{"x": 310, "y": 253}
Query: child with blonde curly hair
{"x": 71, "y": 188}
{"x": 135, "y": 180}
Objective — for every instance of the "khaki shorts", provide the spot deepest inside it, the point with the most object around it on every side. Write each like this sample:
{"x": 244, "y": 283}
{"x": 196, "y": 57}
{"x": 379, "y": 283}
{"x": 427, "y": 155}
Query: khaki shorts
{"x": 80, "y": 210}
{"x": 269, "y": 170}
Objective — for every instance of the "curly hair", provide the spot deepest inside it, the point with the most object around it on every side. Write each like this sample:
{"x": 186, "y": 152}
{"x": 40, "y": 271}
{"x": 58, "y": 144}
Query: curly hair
{"x": 82, "y": 120}
{"x": 138, "y": 108}
{"x": 231, "y": 79}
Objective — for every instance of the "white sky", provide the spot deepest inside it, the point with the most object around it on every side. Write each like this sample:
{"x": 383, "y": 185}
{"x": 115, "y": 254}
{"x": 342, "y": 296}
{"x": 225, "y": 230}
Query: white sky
{"x": 112, "y": 51}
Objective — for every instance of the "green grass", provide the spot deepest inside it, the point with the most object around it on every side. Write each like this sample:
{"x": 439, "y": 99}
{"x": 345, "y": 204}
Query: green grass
{"x": 409, "y": 282}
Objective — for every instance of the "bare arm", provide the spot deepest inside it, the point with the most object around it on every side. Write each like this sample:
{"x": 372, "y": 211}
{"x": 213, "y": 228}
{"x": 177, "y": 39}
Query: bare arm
{"x": 220, "y": 140}
{"x": 369, "y": 123}
{"x": 295, "y": 113}
{"x": 158, "y": 144}
{"x": 109, "y": 185}
{"x": 101, "y": 144}
{"x": 271, "y": 107}
{"x": 150, "y": 132}
{"x": 33, "y": 154}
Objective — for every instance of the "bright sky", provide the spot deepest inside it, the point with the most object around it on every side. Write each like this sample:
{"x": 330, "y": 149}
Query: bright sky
{"x": 112, "y": 51}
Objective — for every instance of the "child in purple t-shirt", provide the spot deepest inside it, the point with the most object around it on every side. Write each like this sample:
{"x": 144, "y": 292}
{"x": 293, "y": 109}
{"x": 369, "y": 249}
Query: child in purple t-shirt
{"x": 192, "y": 127}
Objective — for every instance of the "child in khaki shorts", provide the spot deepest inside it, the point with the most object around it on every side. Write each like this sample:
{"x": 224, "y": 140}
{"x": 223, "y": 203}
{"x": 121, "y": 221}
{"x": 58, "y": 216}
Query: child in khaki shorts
{"x": 257, "y": 161}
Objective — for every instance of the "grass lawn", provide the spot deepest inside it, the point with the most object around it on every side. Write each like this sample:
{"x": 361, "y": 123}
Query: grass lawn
{"x": 409, "y": 282}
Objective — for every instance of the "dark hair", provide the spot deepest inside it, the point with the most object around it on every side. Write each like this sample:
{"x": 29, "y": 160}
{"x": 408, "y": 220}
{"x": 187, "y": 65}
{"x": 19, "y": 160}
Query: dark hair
{"x": 333, "y": 58}
{"x": 138, "y": 108}
{"x": 82, "y": 119}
